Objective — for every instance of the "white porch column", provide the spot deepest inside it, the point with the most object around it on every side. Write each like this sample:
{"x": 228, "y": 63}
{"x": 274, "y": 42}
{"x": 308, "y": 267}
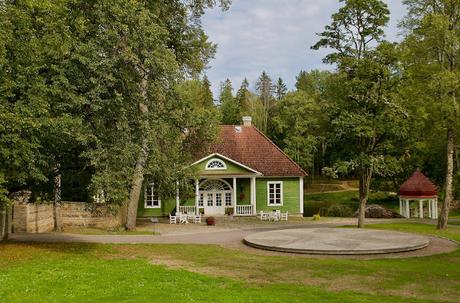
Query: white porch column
{"x": 420, "y": 209}
{"x": 177, "y": 196}
{"x": 253, "y": 195}
{"x": 430, "y": 206}
{"x": 197, "y": 194}
{"x": 400, "y": 207}
{"x": 234, "y": 196}
{"x": 301, "y": 195}
{"x": 407, "y": 209}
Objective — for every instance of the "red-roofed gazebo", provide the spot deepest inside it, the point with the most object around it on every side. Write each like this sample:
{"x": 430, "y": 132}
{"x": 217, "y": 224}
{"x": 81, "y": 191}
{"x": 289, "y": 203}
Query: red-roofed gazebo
{"x": 418, "y": 188}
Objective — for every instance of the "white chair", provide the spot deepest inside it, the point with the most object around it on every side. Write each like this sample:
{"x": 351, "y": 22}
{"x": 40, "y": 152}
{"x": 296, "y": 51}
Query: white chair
{"x": 273, "y": 216}
{"x": 197, "y": 218}
{"x": 263, "y": 216}
{"x": 172, "y": 219}
{"x": 191, "y": 216}
{"x": 278, "y": 214}
{"x": 183, "y": 218}
{"x": 284, "y": 216}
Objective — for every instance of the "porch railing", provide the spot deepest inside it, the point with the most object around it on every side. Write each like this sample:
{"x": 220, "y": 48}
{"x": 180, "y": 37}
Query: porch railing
{"x": 244, "y": 210}
{"x": 187, "y": 209}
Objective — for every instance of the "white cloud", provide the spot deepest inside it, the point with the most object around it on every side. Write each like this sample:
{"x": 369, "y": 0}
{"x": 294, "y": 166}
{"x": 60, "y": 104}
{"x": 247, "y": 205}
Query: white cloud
{"x": 272, "y": 35}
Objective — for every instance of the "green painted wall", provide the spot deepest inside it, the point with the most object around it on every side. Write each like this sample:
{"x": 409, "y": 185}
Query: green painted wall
{"x": 231, "y": 168}
{"x": 243, "y": 186}
{"x": 168, "y": 205}
{"x": 291, "y": 198}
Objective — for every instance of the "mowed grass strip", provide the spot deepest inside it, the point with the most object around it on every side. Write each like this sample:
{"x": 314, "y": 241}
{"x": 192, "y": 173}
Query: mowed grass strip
{"x": 195, "y": 273}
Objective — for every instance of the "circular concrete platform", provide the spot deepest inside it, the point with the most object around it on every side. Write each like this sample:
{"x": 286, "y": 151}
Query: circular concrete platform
{"x": 336, "y": 241}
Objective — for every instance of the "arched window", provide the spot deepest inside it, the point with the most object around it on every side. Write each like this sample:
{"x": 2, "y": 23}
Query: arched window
{"x": 215, "y": 164}
{"x": 215, "y": 185}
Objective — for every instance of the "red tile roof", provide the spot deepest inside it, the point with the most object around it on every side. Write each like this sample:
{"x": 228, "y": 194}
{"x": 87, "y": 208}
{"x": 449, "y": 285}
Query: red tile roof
{"x": 251, "y": 147}
{"x": 418, "y": 185}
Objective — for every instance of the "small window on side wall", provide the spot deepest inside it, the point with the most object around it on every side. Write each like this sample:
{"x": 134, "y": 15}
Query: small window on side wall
{"x": 151, "y": 197}
{"x": 275, "y": 193}
{"x": 215, "y": 164}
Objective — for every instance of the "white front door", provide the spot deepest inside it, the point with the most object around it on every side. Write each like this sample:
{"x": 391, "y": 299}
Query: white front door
{"x": 214, "y": 203}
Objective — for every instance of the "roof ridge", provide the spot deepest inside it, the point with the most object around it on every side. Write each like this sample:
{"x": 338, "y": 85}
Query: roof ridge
{"x": 277, "y": 147}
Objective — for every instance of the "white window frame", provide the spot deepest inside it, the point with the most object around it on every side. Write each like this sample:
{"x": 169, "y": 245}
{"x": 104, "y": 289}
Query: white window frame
{"x": 215, "y": 168}
{"x": 281, "y": 193}
{"x": 151, "y": 186}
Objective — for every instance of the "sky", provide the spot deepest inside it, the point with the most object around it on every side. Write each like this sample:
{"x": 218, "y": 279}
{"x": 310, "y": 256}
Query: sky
{"x": 273, "y": 36}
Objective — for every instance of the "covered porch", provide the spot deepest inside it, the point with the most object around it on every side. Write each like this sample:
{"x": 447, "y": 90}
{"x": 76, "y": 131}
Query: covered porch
{"x": 222, "y": 195}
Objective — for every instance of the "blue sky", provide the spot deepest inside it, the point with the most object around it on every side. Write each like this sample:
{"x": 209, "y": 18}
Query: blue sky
{"x": 275, "y": 36}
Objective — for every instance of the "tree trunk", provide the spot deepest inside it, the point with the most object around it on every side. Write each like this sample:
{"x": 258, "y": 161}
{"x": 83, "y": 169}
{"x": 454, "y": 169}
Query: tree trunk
{"x": 5, "y": 222}
{"x": 365, "y": 176}
{"x": 136, "y": 188}
{"x": 2, "y": 221}
{"x": 444, "y": 215}
{"x": 57, "y": 198}
{"x": 138, "y": 178}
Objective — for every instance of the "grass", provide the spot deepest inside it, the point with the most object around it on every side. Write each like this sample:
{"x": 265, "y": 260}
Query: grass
{"x": 97, "y": 231}
{"x": 454, "y": 214}
{"x": 35, "y": 272}
{"x": 319, "y": 202}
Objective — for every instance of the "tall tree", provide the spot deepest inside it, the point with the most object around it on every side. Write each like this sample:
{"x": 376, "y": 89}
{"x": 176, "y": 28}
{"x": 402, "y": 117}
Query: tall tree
{"x": 313, "y": 82}
{"x": 208, "y": 98}
{"x": 39, "y": 103}
{"x": 264, "y": 87}
{"x": 433, "y": 53}
{"x": 242, "y": 95}
{"x": 280, "y": 89}
{"x": 229, "y": 109}
{"x": 109, "y": 68}
{"x": 298, "y": 125}
{"x": 368, "y": 114}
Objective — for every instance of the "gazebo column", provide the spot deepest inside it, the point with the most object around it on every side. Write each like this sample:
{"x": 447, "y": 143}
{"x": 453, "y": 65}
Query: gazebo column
{"x": 400, "y": 208}
{"x": 435, "y": 206}
{"x": 420, "y": 209}
{"x": 407, "y": 209}
{"x": 430, "y": 207}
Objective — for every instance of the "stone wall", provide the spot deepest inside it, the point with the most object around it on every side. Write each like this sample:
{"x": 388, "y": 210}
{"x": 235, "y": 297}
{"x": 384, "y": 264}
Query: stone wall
{"x": 86, "y": 215}
{"x": 33, "y": 218}
{"x": 39, "y": 218}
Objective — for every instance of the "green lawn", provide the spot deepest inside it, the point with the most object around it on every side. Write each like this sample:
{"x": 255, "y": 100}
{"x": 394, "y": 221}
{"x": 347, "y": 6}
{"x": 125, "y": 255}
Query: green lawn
{"x": 37, "y": 272}
{"x": 319, "y": 202}
{"x": 99, "y": 231}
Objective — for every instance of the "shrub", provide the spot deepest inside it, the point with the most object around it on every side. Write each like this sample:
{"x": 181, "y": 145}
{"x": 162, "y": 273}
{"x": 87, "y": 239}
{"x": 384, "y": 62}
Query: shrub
{"x": 316, "y": 217}
{"x": 229, "y": 211}
{"x": 210, "y": 221}
{"x": 339, "y": 210}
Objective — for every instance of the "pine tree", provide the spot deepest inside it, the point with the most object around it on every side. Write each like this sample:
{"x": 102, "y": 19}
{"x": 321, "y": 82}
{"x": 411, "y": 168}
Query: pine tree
{"x": 208, "y": 98}
{"x": 229, "y": 110}
{"x": 264, "y": 89}
{"x": 242, "y": 95}
{"x": 280, "y": 89}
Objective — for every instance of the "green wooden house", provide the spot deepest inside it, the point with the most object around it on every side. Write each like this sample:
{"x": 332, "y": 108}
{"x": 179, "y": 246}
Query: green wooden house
{"x": 243, "y": 173}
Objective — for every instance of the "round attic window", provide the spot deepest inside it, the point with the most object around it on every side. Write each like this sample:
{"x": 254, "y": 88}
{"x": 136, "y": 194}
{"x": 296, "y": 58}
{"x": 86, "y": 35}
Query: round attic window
{"x": 215, "y": 164}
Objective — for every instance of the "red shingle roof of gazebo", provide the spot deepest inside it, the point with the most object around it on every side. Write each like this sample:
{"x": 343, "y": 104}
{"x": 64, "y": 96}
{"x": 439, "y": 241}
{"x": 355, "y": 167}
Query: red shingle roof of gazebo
{"x": 418, "y": 185}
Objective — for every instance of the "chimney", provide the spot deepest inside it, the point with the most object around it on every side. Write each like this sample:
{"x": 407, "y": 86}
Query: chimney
{"x": 247, "y": 121}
